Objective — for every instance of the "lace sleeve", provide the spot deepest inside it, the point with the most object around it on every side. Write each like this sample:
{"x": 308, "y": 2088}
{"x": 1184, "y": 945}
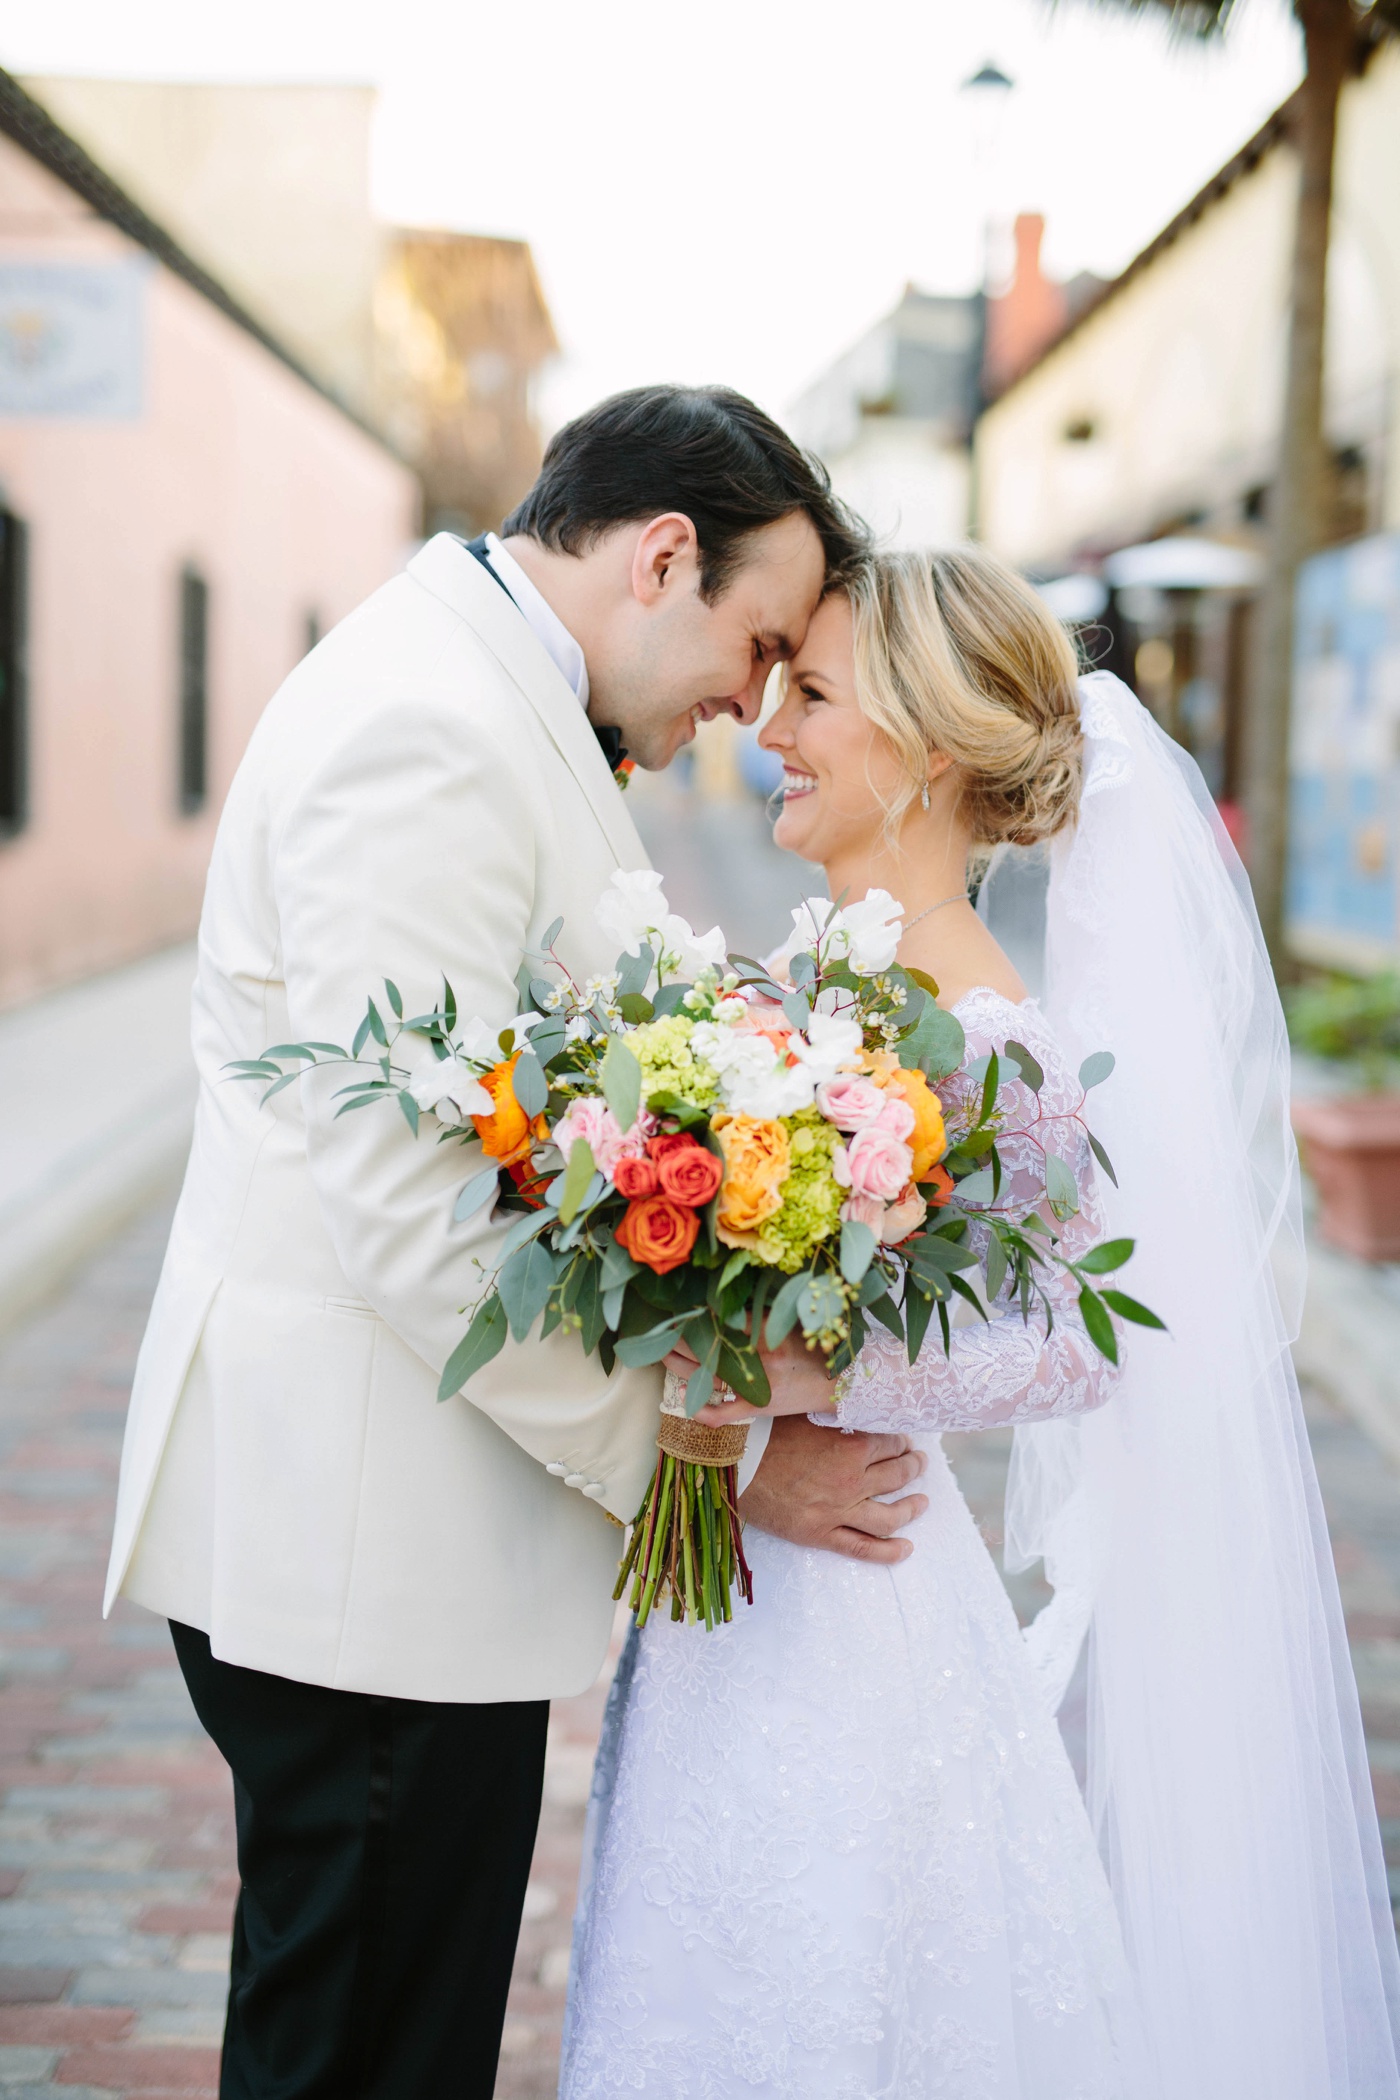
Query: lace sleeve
{"x": 1009, "y": 1370}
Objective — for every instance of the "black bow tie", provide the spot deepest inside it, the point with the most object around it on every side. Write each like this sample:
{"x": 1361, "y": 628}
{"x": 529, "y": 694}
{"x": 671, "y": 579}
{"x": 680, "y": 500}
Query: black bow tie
{"x": 609, "y": 739}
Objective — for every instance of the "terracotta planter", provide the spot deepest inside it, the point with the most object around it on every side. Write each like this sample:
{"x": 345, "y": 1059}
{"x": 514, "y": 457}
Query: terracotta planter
{"x": 1351, "y": 1149}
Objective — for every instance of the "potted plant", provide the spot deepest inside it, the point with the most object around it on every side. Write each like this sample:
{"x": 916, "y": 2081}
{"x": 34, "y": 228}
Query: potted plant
{"x": 1351, "y": 1141}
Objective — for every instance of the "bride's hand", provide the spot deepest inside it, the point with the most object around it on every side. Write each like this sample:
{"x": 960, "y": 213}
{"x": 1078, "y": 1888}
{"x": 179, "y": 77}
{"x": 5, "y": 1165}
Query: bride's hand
{"x": 796, "y": 1374}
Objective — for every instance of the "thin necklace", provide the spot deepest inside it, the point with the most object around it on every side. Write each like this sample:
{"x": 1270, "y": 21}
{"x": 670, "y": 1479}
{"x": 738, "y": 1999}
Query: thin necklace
{"x": 957, "y": 897}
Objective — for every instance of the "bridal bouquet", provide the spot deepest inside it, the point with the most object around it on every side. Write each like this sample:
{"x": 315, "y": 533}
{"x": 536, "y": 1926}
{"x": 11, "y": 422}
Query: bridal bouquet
{"x": 700, "y": 1152}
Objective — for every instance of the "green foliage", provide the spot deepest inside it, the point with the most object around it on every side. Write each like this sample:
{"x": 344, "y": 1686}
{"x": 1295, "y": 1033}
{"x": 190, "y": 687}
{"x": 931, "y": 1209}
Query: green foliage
{"x": 1351, "y": 1021}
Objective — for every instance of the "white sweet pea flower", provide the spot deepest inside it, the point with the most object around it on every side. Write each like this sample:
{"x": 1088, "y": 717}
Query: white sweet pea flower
{"x": 831, "y": 1044}
{"x": 630, "y": 907}
{"x": 872, "y": 929}
{"x": 690, "y": 952}
{"x": 478, "y": 1039}
{"x": 784, "y": 1090}
{"x": 443, "y": 1087}
{"x": 755, "y": 1078}
{"x": 810, "y": 923}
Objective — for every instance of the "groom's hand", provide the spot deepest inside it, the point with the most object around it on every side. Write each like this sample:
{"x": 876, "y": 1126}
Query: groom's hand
{"x": 818, "y": 1488}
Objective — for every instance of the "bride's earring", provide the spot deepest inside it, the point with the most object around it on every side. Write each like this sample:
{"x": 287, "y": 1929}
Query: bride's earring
{"x": 923, "y": 795}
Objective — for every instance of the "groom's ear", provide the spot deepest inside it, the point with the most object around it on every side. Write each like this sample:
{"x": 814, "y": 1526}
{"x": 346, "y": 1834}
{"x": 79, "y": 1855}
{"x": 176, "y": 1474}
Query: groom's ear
{"x": 666, "y": 559}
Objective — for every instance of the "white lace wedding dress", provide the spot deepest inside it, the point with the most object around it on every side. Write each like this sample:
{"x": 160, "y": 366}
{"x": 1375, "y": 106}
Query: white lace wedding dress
{"x": 837, "y": 1847}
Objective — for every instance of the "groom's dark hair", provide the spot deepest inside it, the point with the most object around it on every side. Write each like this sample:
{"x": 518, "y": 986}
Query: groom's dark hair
{"x": 702, "y": 450}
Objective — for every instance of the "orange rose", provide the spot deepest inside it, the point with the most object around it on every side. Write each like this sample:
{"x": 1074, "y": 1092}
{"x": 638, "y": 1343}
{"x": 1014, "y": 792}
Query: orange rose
{"x": 658, "y": 1232}
{"x": 507, "y": 1134}
{"x": 688, "y": 1172}
{"x": 928, "y": 1140}
{"x": 941, "y": 1184}
{"x": 756, "y": 1163}
{"x": 634, "y": 1177}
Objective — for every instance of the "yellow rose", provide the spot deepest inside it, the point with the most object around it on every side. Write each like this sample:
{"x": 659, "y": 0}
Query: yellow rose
{"x": 928, "y": 1140}
{"x": 756, "y": 1162}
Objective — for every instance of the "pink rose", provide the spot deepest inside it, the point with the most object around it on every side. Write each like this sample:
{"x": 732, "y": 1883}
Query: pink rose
{"x": 875, "y": 1163}
{"x": 864, "y": 1210}
{"x": 592, "y": 1120}
{"x": 850, "y": 1101}
{"x": 896, "y": 1116}
{"x": 904, "y": 1216}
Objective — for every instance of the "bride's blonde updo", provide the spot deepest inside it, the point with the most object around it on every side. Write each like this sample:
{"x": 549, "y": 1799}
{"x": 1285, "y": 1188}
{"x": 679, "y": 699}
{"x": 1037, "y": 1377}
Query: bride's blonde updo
{"x": 955, "y": 653}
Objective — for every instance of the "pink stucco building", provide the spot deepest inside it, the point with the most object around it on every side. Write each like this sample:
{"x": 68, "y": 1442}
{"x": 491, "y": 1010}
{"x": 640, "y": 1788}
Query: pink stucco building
{"x": 182, "y": 510}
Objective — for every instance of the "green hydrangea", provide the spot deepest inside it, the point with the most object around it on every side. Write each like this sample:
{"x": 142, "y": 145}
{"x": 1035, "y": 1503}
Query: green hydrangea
{"x": 812, "y": 1197}
{"x": 662, "y": 1049}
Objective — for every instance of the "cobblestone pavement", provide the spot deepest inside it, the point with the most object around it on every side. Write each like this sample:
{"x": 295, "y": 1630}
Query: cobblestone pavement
{"x": 116, "y": 1843}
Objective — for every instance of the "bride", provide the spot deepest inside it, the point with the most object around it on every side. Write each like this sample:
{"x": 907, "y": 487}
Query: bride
{"x": 838, "y": 1847}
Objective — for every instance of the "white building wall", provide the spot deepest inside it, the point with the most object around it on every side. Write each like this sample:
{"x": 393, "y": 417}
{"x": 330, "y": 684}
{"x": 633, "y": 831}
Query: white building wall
{"x": 1180, "y": 373}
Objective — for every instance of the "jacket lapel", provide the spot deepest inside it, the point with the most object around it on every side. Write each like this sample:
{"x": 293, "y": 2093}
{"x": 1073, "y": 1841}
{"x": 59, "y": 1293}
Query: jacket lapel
{"x": 445, "y": 568}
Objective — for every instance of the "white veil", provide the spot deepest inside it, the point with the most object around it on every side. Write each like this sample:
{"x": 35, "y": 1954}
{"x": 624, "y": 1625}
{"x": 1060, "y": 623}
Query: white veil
{"x": 1226, "y": 1771}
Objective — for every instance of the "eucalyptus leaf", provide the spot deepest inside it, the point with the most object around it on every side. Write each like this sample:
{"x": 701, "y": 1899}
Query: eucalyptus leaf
{"x": 551, "y": 934}
{"x": 938, "y": 1043}
{"x": 484, "y": 1339}
{"x": 669, "y": 999}
{"x": 858, "y": 1244}
{"x": 476, "y": 1194}
{"x": 820, "y": 1303}
{"x": 306, "y": 1050}
{"x": 797, "y": 1008}
{"x": 391, "y": 993}
{"x": 523, "y": 1230}
{"x": 804, "y": 971}
{"x": 525, "y": 1283}
{"x": 1060, "y": 1186}
{"x": 577, "y": 1175}
{"x": 635, "y": 1008}
{"x": 1096, "y": 1068}
{"x": 548, "y": 1039}
{"x": 569, "y": 1234}
{"x": 612, "y": 1302}
{"x": 410, "y": 1109}
{"x": 637, "y": 1350}
{"x": 618, "y": 1267}
{"x": 977, "y": 1188}
{"x": 542, "y": 993}
{"x": 634, "y": 970}
{"x": 782, "y": 1314}
{"x": 1031, "y": 1071}
{"x": 1103, "y": 1159}
{"x": 622, "y": 1083}
{"x": 529, "y": 1083}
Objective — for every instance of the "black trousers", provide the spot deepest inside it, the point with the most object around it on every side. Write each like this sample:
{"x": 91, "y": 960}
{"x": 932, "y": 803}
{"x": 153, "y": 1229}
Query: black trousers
{"x": 383, "y": 1851}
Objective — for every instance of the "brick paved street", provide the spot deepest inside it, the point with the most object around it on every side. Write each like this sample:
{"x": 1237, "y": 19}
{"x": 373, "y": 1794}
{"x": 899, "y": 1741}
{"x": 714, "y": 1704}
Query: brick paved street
{"x": 116, "y": 1856}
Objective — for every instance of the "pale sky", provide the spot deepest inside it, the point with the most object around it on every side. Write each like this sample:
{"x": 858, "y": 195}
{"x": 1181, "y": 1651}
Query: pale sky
{"x": 732, "y": 191}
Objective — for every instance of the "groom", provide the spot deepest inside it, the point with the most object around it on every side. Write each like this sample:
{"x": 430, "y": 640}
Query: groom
{"x": 373, "y": 1597}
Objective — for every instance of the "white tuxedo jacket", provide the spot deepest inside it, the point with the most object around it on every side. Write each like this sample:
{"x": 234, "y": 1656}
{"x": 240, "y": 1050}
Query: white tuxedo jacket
{"x": 422, "y": 797}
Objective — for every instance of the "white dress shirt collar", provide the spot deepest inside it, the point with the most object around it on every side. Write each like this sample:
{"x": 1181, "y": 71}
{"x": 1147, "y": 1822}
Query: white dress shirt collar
{"x": 549, "y": 630}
